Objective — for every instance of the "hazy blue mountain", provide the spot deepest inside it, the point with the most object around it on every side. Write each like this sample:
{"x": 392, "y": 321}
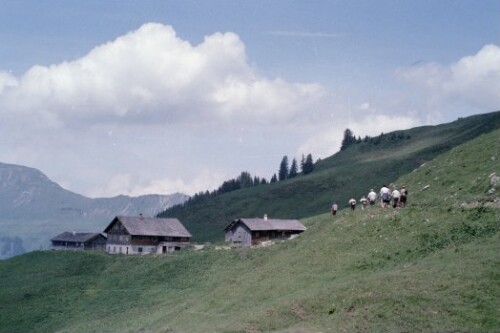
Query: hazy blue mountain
{"x": 33, "y": 209}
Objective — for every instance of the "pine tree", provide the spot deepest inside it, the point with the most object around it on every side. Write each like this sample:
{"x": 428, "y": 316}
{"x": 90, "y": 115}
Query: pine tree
{"x": 283, "y": 171}
{"x": 302, "y": 162}
{"x": 293, "y": 169}
{"x": 274, "y": 179}
{"x": 308, "y": 165}
{"x": 348, "y": 140}
{"x": 245, "y": 179}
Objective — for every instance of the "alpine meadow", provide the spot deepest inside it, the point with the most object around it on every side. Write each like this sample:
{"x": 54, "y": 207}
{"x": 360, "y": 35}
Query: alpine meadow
{"x": 432, "y": 266}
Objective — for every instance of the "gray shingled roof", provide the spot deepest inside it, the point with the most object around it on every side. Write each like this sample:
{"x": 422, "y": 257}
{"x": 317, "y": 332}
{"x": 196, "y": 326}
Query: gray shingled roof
{"x": 151, "y": 226}
{"x": 76, "y": 237}
{"x": 257, "y": 224}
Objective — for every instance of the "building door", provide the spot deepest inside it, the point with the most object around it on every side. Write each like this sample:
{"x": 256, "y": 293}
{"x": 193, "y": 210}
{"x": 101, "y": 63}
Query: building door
{"x": 164, "y": 249}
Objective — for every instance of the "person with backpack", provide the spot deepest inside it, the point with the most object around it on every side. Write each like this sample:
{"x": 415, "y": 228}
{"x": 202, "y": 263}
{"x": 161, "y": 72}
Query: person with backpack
{"x": 385, "y": 196}
{"x": 352, "y": 203}
{"x": 372, "y": 197}
{"x": 402, "y": 198}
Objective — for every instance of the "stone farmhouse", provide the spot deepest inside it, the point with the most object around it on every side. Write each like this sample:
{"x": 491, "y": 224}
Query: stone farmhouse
{"x": 253, "y": 231}
{"x": 79, "y": 241}
{"x": 144, "y": 235}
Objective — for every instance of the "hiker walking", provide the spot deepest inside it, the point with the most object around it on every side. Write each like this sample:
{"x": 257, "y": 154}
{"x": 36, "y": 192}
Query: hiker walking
{"x": 395, "y": 198}
{"x": 352, "y": 203}
{"x": 402, "y": 198}
{"x": 334, "y": 208}
{"x": 363, "y": 202}
{"x": 385, "y": 197}
{"x": 372, "y": 197}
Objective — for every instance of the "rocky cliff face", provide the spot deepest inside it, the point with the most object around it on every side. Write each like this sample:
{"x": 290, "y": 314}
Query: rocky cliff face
{"x": 33, "y": 209}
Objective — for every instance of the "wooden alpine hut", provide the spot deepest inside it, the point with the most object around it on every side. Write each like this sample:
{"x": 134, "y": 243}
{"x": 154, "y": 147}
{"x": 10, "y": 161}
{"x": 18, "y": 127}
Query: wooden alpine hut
{"x": 79, "y": 241}
{"x": 253, "y": 231}
{"x": 143, "y": 235}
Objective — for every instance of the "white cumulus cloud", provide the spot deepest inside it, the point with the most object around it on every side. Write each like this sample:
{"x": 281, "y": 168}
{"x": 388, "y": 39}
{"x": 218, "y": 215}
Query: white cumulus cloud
{"x": 152, "y": 75}
{"x": 473, "y": 80}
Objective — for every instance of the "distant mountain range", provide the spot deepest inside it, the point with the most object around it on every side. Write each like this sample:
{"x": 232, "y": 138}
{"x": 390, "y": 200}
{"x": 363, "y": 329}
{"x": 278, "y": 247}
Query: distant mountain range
{"x": 33, "y": 209}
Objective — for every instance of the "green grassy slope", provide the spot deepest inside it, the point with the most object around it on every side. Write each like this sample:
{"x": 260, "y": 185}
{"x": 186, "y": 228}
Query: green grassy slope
{"x": 431, "y": 267}
{"x": 348, "y": 173}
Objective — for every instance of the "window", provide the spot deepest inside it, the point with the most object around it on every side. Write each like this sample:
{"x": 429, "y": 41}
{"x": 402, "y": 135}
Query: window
{"x": 139, "y": 249}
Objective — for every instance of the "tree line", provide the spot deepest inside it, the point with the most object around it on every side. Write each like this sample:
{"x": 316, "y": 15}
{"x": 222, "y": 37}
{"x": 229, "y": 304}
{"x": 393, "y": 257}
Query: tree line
{"x": 246, "y": 180}
{"x": 350, "y": 139}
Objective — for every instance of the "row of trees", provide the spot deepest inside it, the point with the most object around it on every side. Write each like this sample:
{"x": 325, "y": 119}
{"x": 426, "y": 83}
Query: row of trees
{"x": 286, "y": 172}
{"x": 350, "y": 139}
{"x": 246, "y": 180}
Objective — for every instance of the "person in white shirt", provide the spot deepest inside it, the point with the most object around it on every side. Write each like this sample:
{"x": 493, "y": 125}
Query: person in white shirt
{"x": 363, "y": 202}
{"x": 385, "y": 196}
{"x": 335, "y": 207}
{"x": 395, "y": 198}
{"x": 352, "y": 203}
{"x": 372, "y": 197}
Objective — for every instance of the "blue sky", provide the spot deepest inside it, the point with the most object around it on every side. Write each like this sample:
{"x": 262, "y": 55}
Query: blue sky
{"x": 289, "y": 77}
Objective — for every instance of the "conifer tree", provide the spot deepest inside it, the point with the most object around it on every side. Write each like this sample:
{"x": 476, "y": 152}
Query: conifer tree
{"x": 348, "y": 139}
{"x": 283, "y": 171}
{"x": 274, "y": 179}
{"x": 308, "y": 165}
{"x": 293, "y": 169}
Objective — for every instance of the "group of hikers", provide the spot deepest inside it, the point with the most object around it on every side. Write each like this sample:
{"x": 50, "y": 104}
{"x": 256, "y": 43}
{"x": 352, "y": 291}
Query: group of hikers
{"x": 397, "y": 197}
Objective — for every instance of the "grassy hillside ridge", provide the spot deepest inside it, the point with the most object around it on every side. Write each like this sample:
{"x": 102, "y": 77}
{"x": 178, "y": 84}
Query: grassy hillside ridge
{"x": 431, "y": 267}
{"x": 351, "y": 172}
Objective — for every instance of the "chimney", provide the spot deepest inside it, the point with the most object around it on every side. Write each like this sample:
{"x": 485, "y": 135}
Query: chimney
{"x": 265, "y": 217}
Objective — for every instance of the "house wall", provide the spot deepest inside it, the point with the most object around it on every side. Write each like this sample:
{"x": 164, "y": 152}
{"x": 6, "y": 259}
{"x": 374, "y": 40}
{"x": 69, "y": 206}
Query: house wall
{"x": 141, "y": 249}
{"x": 239, "y": 234}
{"x": 114, "y": 248}
{"x": 262, "y": 236}
{"x": 96, "y": 246}
{"x": 79, "y": 246}
{"x": 62, "y": 245}
{"x": 118, "y": 238}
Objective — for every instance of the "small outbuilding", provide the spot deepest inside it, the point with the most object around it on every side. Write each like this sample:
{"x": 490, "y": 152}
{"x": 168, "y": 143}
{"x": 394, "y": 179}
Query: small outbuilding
{"x": 253, "y": 231}
{"x": 143, "y": 235}
{"x": 79, "y": 241}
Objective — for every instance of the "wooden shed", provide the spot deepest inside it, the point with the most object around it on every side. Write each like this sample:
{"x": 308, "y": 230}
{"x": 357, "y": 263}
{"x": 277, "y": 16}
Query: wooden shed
{"x": 79, "y": 241}
{"x": 142, "y": 235}
{"x": 253, "y": 231}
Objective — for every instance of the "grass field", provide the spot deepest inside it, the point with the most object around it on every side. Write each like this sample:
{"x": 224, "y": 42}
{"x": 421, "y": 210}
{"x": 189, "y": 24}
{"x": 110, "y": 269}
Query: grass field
{"x": 431, "y": 267}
